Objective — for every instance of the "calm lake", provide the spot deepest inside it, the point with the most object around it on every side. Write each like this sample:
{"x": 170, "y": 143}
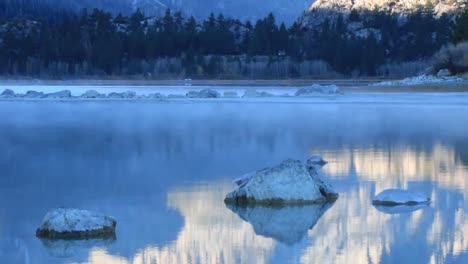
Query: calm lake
{"x": 162, "y": 170}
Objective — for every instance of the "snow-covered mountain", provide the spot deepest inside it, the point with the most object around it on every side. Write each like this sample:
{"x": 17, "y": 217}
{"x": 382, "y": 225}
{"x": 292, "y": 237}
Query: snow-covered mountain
{"x": 285, "y": 10}
{"x": 321, "y": 10}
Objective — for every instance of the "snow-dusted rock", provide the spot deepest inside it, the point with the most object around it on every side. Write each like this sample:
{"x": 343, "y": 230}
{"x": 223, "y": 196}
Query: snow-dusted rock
{"x": 128, "y": 95}
{"x": 288, "y": 225}
{"x": 419, "y": 80}
{"x": 75, "y": 224}
{"x": 443, "y": 73}
{"x": 60, "y": 94}
{"x": 206, "y": 93}
{"x": 394, "y": 197}
{"x": 230, "y": 94}
{"x": 314, "y": 166}
{"x": 115, "y": 95}
{"x": 176, "y": 96}
{"x": 8, "y": 93}
{"x": 33, "y": 94}
{"x": 250, "y": 93}
{"x": 318, "y": 89}
{"x": 157, "y": 96}
{"x": 92, "y": 94}
{"x": 288, "y": 183}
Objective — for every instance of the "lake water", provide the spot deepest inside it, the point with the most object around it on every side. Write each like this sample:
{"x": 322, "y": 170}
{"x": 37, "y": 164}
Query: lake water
{"x": 162, "y": 170}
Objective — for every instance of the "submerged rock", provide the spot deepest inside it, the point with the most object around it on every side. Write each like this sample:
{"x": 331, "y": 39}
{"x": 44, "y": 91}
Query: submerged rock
{"x": 75, "y": 224}
{"x": 318, "y": 89}
{"x": 8, "y": 93}
{"x": 60, "y": 94}
{"x": 288, "y": 183}
{"x": 395, "y": 197}
{"x": 288, "y": 224}
{"x": 206, "y": 93}
{"x": 92, "y": 94}
{"x": 249, "y": 93}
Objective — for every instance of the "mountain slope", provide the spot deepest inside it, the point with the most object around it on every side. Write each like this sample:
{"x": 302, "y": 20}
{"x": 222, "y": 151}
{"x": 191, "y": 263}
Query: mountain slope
{"x": 285, "y": 10}
{"x": 321, "y": 10}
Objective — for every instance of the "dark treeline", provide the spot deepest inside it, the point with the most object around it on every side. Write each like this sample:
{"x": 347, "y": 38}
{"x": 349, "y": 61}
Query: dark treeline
{"x": 97, "y": 43}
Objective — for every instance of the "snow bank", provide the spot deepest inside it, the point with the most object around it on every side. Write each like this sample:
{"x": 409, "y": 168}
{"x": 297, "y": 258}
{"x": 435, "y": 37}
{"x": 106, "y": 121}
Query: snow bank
{"x": 422, "y": 79}
{"x": 76, "y": 223}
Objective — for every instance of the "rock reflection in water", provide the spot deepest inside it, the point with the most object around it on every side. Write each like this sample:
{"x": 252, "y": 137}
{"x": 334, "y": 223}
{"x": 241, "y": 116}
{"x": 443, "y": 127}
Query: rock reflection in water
{"x": 286, "y": 224}
{"x": 400, "y": 209}
{"x": 66, "y": 248}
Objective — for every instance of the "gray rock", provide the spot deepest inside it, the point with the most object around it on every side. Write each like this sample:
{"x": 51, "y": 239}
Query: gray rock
{"x": 8, "y": 93}
{"x": 250, "y": 93}
{"x": 394, "y": 197}
{"x": 33, "y": 94}
{"x": 60, "y": 94}
{"x": 317, "y": 90}
{"x": 288, "y": 183}
{"x": 206, "y": 93}
{"x": 230, "y": 94}
{"x": 115, "y": 95}
{"x": 129, "y": 95}
{"x": 75, "y": 224}
{"x": 91, "y": 94}
{"x": 287, "y": 224}
{"x": 444, "y": 73}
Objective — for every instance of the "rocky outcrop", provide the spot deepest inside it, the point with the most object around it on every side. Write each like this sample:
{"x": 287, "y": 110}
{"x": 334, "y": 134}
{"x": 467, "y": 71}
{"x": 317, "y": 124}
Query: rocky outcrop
{"x": 33, "y": 94}
{"x": 322, "y": 10}
{"x": 75, "y": 224}
{"x": 290, "y": 182}
{"x": 393, "y": 197}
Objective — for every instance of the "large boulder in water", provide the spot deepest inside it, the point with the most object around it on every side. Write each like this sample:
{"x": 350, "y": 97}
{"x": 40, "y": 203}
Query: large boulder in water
{"x": 291, "y": 182}
{"x": 394, "y": 197}
{"x": 76, "y": 224}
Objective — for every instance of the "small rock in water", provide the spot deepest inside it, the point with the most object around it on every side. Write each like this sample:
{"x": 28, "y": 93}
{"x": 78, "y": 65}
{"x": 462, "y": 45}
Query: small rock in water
{"x": 128, "y": 94}
{"x": 8, "y": 93}
{"x": 249, "y": 93}
{"x": 115, "y": 95}
{"x": 318, "y": 89}
{"x": 33, "y": 94}
{"x": 395, "y": 197}
{"x": 91, "y": 94}
{"x": 230, "y": 94}
{"x": 206, "y": 93}
{"x": 288, "y": 183}
{"x": 75, "y": 224}
{"x": 61, "y": 94}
